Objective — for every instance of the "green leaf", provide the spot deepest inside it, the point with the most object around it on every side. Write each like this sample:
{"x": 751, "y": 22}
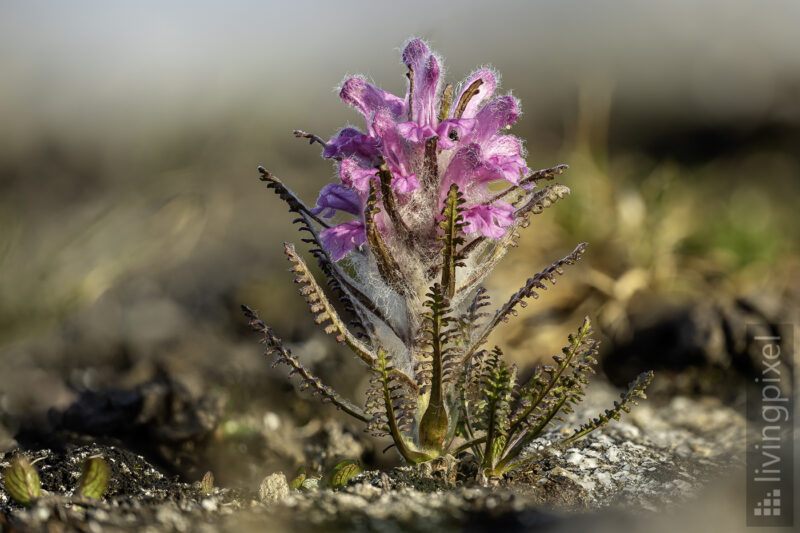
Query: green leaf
{"x": 628, "y": 398}
{"x": 299, "y": 478}
{"x": 451, "y": 225}
{"x": 22, "y": 481}
{"x": 207, "y": 483}
{"x": 94, "y": 479}
{"x": 344, "y": 472}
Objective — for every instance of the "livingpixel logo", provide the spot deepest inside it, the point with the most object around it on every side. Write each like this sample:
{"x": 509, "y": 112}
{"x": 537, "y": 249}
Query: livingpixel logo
{"x": 770, "y": 425}
{"x": 770, "y": 505}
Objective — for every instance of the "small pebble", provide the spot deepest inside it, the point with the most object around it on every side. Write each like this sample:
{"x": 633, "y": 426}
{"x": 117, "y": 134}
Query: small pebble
{"x": 274, "y": 488}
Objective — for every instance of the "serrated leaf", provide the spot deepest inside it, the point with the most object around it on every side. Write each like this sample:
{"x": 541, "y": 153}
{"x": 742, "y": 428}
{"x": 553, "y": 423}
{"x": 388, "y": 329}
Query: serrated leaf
{"x": 207, "y": 483}
{"x": 94, "y": 479}
{"x": 22, "y": 481}
{"x": 298, "y": 479}
{"x": 343, "y": 472}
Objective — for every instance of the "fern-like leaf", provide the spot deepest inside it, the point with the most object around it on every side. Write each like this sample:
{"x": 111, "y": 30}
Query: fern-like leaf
{"x": 497, "y": 391}
{"x": 274, "y": 346}
{"x": 636, "y": 391}
{"x": 396, "y": 412}
{"x": 387, "y": 265}
{"x": 469, "y": 321}
{"x": 451, "y": 225}
{"x": 527, "y": 291}
{"x": 323, "y": 311}
{"x": 540, "y": 398}
{"x": 337, "y": 280}
{"x": 529, "y": 182}
{"x": 402, "y": 393}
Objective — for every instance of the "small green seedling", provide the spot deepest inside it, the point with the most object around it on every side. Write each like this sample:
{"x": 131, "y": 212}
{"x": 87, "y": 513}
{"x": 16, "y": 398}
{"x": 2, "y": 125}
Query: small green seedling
{"x": 207, "y": 483}
{"x": 94, "y": 478}
{"x": 344, "y": 472}
{"x": 22, "y": 481}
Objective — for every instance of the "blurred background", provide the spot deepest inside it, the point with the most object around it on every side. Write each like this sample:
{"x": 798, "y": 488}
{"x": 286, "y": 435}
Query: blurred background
{"x": 132, "y": 222}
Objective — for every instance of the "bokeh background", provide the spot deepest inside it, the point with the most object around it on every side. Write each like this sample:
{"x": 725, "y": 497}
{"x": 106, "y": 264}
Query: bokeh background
{"x": 132, "y": 222}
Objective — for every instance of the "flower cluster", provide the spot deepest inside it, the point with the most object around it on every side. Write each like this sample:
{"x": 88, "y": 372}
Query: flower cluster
{"x": 427, "y": 140}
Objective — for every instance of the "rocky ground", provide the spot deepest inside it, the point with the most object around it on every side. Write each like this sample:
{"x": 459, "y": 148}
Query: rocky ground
{"x": 664, "y": 456}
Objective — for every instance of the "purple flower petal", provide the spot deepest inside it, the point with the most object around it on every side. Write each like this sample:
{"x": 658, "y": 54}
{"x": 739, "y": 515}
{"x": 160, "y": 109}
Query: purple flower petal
{"x": 341, "y": 239}
{"x": 394, "y": 151}
{"x": 337, "y": 197}
{"x": 368, "y": 99}
{"x": 463, "y": 167}
{"x": 489, "y": 220}
{"x": 355, "y": 176}
{"x": 504, "y": 156}
{"x": 452, "y": 130}
{"x": 414, "y": 132}
{"x": 485, "y": 91}
{"x": 425, "y": 82}
{"x": 498, "y": 113}
{"x": 405, "y": 184}
{"x": 351, "y": 142}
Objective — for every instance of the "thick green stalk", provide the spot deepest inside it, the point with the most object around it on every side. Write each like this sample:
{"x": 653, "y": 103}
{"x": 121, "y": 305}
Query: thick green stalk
{"x": 408, "y": 454}
{"x": 433, "y": 426}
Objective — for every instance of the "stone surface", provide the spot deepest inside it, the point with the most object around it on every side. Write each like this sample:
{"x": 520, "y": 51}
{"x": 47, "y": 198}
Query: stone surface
{"x": 274, "y": 488}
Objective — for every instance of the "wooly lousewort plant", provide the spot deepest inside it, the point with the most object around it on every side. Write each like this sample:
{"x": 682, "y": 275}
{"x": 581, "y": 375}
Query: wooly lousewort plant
{"x": 428, "y": 224}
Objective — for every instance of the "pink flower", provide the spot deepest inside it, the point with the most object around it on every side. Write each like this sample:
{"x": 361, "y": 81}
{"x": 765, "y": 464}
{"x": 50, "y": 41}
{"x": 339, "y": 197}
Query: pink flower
{"x": 488, "y": 220}
{"x": 355, "y": 176}
{"x": 341, "y": 239}
{"x": 452, "y": 130}
{"x": 394, "y": 151}
{"x": 414, "y": 132}
{"x": 336, "y": 197}
{"x": 351, "y": 142}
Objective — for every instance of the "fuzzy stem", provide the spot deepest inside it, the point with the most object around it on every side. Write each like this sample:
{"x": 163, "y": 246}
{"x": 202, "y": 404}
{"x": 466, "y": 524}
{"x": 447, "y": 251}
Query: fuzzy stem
{"x": 490, "y": 434}
{"x": 430, "y": 176}
{"x": 389, "y": 205}
{"x": 410, "y": 76}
